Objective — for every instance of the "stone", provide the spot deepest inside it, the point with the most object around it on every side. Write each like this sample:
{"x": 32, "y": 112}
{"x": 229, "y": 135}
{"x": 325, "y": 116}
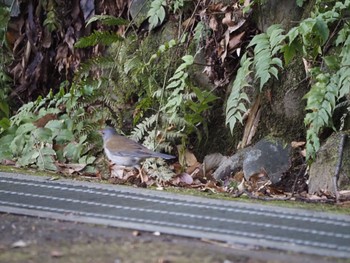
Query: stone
{"x": 269, "y": 155}
{"x": 323, "y": 169}
{"x": 283, "y": 12}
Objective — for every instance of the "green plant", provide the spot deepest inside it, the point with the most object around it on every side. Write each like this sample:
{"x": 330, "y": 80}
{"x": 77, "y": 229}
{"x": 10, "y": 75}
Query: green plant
{"x": 4, "y": 78}
{"x": 156, "y": 13}
{"x": 329, "y": 73}
{"x": 105, "y": 37}
{"x": 55, "y": 130}
{"x": 262, "y": 65}
{"x": 235, "y": 107}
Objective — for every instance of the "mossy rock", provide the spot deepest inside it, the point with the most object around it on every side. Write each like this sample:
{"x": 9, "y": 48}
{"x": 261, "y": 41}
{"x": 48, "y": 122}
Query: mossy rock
{"x": 323, "y": 170}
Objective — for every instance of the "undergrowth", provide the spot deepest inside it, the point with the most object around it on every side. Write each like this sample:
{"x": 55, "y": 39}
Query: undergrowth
{"x": 327, "y": 53}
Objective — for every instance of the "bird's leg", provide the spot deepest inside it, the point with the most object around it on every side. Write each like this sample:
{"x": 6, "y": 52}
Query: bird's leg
{"x": 143, "y": 176}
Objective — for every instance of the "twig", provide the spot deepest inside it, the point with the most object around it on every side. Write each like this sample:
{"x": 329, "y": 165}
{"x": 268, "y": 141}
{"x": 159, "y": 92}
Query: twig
{"x": 296, "y": 178}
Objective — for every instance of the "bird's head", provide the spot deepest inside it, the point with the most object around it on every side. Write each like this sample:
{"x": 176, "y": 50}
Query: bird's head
{"x": 107, "y": 132}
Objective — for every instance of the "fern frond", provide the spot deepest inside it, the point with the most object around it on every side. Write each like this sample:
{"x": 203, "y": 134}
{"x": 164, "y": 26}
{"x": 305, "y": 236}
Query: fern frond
{"x": 321, "y": 101}
{"x": 107, "y": 20}
{"x": 142, "y": 128}
{"x": 97, "y": 37}
{"x": 235, "y": 107}
{"x": 267, "y": 45}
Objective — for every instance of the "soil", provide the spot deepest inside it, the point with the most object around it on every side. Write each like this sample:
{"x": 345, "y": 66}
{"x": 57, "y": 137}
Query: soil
{"x": 29, "y": 239}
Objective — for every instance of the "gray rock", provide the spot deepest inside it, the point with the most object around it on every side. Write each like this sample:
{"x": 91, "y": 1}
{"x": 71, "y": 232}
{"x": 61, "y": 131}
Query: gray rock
{"x": 323, "y": 169}
{"x": 230, "y": 165}
{"x": 268, "y": 155}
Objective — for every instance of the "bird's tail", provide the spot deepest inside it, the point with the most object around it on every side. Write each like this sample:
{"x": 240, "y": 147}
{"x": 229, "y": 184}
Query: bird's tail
{"x": 164, "y": 156}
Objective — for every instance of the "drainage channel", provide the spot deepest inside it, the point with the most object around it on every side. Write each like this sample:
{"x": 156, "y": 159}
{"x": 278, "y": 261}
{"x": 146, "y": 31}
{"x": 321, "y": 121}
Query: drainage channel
{"x": 234, "y": 222}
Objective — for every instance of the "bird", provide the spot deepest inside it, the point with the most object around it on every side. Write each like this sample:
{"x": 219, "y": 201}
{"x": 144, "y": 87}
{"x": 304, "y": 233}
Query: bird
{"x": 123, "y": 151}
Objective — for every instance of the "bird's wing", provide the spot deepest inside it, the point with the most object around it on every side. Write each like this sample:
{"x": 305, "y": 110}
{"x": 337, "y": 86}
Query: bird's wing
{"x": 122, "y": 146}
{"x": 125, "y": 147}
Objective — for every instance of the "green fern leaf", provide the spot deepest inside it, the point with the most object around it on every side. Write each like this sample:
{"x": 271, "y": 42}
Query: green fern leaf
{"x": 97, "y": 37}
{"x": 235, "y": 103}
{"x": 107, "y": 20}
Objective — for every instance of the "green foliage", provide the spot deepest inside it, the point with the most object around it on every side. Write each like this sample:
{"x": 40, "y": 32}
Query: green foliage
{"x": 54, "y": 129}
{"x": 330, "y": 82}
{"x": 329, "y": 73}
{"x": 102, "y": 37}
{"x": 235, "y": 107}
{"x": 4, "y": 78}
{"x": 156, "y": 14}
{"x": 300, "y": 3}
{"x": 262, "y": 65}
{"x": 107, "y": 20}
{"x": 177, "y": 5}
{"x": 51, "y": 22}
{"x": 321, "y": 101}
{"x": 97, "y": 37}
{"x": 60, "y": 128}
{"x": 267, "y": 45}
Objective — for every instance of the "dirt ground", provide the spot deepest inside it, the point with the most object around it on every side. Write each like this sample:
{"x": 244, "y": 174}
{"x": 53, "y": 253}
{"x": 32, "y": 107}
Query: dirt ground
{"x": 29, "y": 239}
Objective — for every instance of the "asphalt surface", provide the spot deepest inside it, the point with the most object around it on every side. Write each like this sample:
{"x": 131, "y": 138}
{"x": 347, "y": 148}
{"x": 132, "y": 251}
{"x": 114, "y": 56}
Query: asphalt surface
{"x": 133, "y": 208}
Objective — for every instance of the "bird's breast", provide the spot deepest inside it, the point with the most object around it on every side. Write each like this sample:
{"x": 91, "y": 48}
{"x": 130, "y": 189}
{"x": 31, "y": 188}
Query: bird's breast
{"x": 122, "y": 160}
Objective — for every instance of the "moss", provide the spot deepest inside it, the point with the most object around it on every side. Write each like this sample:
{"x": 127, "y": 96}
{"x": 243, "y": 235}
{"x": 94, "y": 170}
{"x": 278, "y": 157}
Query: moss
{"x": 330, "y": 208}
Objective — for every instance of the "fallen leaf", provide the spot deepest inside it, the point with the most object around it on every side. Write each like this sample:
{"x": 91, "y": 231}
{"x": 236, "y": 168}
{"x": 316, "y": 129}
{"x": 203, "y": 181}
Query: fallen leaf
{"x": 19, "y": 244}
{"x": 188, "y": 22}
{"x": 213, "y": 24}
{"x": 56, "y": 253}
{"x": 136, "y": 233}
{"x": 234, "y": 41}
{"x": 41, "y": 122}
{"x": 185, "y": 178}
{"x": 236, "y": 26}
{"x": 297, "y": 144}
{"x": 227, "y": 20}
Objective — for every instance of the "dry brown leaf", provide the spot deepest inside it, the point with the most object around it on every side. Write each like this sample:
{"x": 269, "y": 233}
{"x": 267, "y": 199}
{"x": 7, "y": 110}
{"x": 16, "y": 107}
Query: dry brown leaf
{"x": 211, "y": 186}
{"x": 239, "y": 176}
{"x": 8, "y": 162}
{"x": 224, "y": 43}
{"x": 213, "y": 24}
{"x": 70, "y": 168}
{"x": 192, "y": 169}
{"x": 185, "y": 178}
{"x": 227, "y": 20}
{"x": 234, "y": 41}
{"x": 56, "y": 253}
{"x": 41, "y": 122}
{"x": 190, "y": 158}
{"x": 295, "y": 144}
{"x": 236, "y": 26}
{"x": 188, "y": 22}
